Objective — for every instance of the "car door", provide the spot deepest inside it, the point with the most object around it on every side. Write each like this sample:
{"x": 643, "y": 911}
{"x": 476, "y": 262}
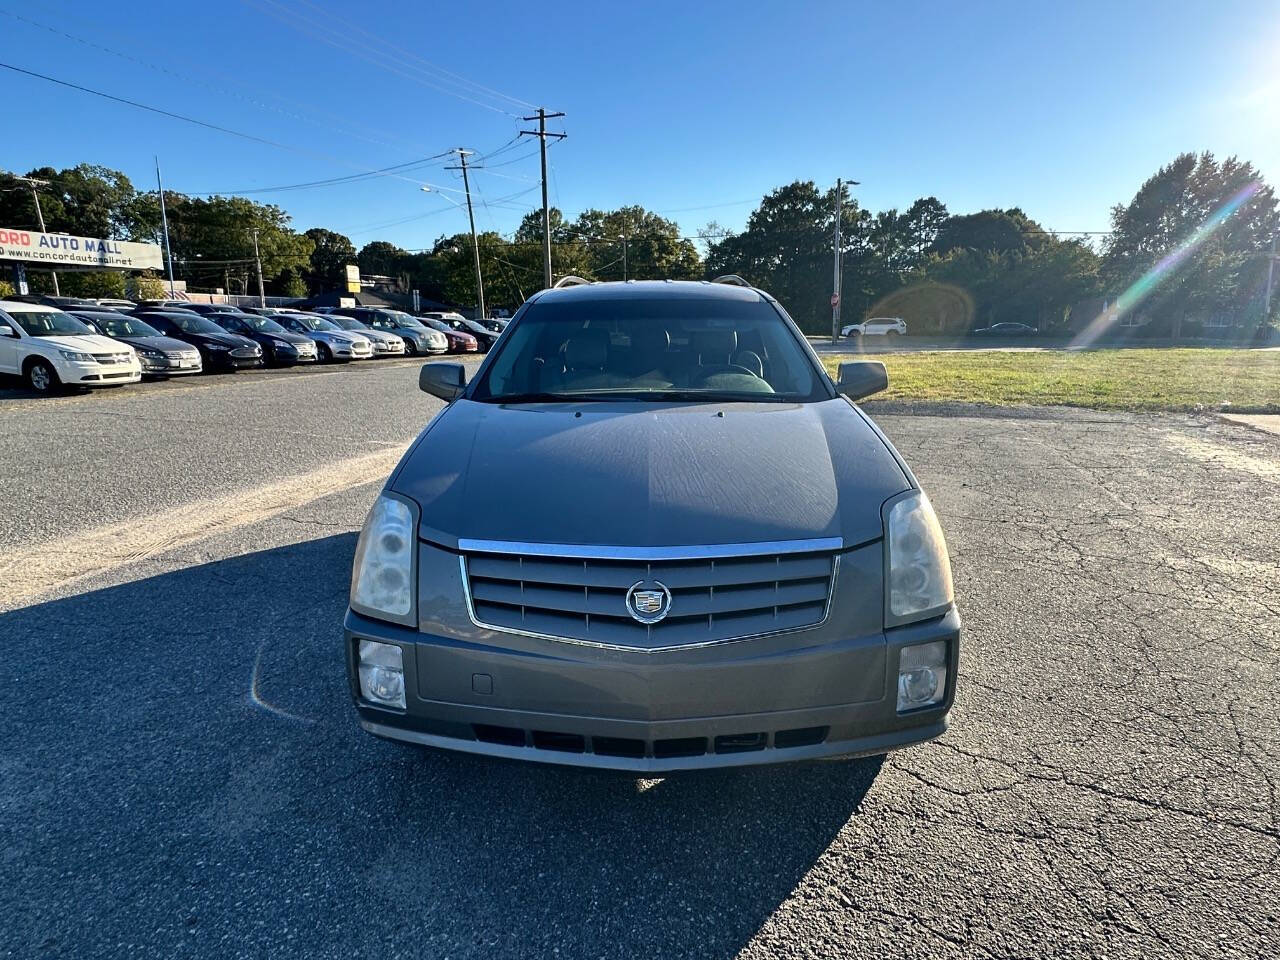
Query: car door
{"x": 10, "y": 346}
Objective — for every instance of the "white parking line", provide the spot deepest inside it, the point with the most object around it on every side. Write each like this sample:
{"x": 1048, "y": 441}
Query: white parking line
{"x": 32, "y": 571}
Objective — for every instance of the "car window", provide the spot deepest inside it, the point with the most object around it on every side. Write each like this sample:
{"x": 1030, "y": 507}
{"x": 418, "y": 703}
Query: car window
{"x": 48, "y": 323}
{"x": 125, "y": 327}
{"x": 678, "y": 348}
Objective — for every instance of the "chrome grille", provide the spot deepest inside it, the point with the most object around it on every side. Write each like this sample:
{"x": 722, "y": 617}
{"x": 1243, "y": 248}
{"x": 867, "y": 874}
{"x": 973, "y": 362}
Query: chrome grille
{"x": 110, "y": 358}
{"x": 713, "y": 599}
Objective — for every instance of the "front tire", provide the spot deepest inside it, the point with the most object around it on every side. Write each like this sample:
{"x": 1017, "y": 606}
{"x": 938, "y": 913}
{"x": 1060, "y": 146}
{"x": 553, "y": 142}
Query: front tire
{"x": 323, "y": 354}
{"x": 41, "y": 377}
{"x": 410, "y": 348}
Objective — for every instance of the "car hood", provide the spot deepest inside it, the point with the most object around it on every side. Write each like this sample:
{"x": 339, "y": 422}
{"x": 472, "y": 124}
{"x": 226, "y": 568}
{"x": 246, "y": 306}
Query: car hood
{"x": 631, "y": 474}
{"x": 157, "y": 343}
{"x": 232, "y": 340}
{"x": 85, "y": 343}
{"x": 288, "y": 336}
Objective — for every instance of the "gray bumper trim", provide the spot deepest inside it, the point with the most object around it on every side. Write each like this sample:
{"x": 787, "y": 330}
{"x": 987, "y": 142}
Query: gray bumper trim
{"x": 860, "y": 747}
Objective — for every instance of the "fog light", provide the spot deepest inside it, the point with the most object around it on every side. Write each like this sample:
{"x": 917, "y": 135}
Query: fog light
{"x": 922, "y": 675}
{"x": 381, "y": 673}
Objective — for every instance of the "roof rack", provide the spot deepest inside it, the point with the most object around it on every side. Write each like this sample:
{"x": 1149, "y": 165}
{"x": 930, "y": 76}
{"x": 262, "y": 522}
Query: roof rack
{"x": 569, "y": 281}
{"x": 732, "y": 278}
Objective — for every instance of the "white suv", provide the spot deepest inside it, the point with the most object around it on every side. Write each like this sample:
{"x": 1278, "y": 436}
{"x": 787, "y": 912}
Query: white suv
{"x": 876, "y": 326}
{"x": 49, "y": 348}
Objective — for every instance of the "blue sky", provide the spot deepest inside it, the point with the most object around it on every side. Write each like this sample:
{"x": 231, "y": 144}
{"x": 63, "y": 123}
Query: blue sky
{"x": 1062, "y": 109}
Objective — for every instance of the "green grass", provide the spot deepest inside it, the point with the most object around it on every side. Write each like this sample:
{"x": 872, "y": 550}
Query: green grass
{"x": 1243, "y": 381}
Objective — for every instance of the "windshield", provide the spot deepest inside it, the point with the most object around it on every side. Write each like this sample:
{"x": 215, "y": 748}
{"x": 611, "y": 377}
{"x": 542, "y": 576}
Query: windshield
{"x": 316, "y": 323}
{"x": 348, "y": 323}
{"x": 408, "y": 321}
{"x": 48, "y": 323}
{"x": 125, "y": 327}
{"x": 262, "y": 324}
{"x": 194, "y": 323}
{"x": 434, "y": 324}
{"x": 673, "y": 349}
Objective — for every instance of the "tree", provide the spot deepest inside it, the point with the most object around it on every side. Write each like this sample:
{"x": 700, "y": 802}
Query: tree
{"x": 332, "y": 253}
{"x": 1193, "y": 243}
{"x": 88, "y": 200}
{"x": 787, "y": 249}
{"x": 987, "y": 231}
{"x": 653, "y": 246}
{"x": 381, "y": 259}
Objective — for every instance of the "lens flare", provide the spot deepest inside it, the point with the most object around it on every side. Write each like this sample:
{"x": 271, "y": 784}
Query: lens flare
{"x": 1162, "y": 270}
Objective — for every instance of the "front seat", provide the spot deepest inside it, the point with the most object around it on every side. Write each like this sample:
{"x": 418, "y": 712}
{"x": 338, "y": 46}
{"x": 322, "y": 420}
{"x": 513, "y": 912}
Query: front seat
{"x": 586, "y": 356}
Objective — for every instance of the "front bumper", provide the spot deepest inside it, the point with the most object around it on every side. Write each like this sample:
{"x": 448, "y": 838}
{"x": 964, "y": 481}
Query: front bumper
{"x": 224, "y": 360}
{"x": 170, "y": 366}
{"x": 80, "y": 374}
{"x": 736, "y": 704}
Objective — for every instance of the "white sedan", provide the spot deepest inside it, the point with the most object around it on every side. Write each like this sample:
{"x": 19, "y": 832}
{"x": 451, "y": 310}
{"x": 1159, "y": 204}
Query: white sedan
{"x": 49, "y": 349}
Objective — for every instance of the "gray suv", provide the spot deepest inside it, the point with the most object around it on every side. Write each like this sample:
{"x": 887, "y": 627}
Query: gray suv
{"x": 695, "y": 550}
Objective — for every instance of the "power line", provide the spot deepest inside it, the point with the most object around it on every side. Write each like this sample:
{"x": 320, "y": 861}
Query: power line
{"x": 346, "y": 131}
{"x": 332, "y": 181}
{"x": 178, "y": 116}
{"x": 378, "y": 57}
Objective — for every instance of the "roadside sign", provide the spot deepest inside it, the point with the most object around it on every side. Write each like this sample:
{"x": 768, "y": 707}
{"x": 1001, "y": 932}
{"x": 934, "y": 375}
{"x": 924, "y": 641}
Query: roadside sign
{"x": 835, "y": 299}
{"x": 65, "y": 250}
{"x": 417, "y": 301}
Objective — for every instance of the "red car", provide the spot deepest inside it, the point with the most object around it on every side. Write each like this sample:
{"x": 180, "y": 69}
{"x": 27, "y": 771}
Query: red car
{"x": 458, "y": 342}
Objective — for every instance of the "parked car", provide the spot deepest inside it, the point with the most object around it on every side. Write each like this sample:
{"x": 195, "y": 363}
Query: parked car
{"x": 50, "y": 349}
{"x": 49, "y": 300}
{"x": 485, "y": 338}
{"x": 646, "y": 588}
{"x": 332, "y": 342}
{"x": 219, "y": 350}
{"x": 280, "y": 347}
{"x": 1007, "y": 330}
{"x": 460, "y": 341}
{"x": 418, "y": 337}
{"x": 160, "y": 356}
{"x": 385, "y": 344}
{"x": 876, "y": 327}
{"x": 205, "y": 309}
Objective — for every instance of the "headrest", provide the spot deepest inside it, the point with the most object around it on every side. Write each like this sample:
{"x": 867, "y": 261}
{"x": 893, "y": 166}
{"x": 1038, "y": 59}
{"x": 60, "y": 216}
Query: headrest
{"x": 587, "y": 350}
{"x": 650, "y": 339}
{"x": 714, "y": 343}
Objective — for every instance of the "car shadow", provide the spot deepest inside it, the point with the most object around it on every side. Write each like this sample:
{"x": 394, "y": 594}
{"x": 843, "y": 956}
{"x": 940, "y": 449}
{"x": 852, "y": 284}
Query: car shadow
{"x": 181, "y": 768}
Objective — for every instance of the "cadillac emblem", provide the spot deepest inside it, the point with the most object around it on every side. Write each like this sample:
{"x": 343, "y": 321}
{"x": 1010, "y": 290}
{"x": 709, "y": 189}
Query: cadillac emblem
{"x": 648, "y": 601}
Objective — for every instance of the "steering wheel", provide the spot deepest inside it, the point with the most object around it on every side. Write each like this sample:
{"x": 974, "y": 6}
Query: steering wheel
{"x": 706, "y": 373}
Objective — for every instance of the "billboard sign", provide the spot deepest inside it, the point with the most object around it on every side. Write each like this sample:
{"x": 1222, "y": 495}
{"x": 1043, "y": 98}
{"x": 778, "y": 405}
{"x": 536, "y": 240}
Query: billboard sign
{"x": 353, "y": 278}
{"x": 68, "y": 250}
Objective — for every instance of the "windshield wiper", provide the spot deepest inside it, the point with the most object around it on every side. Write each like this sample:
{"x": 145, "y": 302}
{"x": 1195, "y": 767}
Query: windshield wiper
{"x": 543, "y": 397}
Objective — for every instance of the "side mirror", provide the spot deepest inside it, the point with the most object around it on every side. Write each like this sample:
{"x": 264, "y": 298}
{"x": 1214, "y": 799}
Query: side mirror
{"x": 443, "y": 380}
{"x": 862, "y": 378}
{"x": 7, "y": 331}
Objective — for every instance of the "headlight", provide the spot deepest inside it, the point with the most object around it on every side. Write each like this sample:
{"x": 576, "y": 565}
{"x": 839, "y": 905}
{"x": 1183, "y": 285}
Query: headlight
{"x": 151, "y": 354}
{"x": 382, "y": 578}
{"x": 77, "y": 357}
{"x": 919, "y": 573}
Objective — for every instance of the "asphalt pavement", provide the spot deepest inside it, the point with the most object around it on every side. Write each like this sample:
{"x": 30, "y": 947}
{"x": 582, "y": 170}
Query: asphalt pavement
{"x": 181, "y": 774}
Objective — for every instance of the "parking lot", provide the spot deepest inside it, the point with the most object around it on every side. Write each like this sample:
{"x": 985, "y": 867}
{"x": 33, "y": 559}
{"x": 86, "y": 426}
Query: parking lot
{"x": 182, "y": 773}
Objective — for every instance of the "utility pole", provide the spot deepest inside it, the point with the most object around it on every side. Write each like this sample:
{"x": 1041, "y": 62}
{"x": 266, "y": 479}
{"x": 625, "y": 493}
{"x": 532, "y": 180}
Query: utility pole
{"x": 164, "y": 221}
{"x": 1271, "y": 271}
{"x": 33, "y": 183}
{"x": 625, "y": 238}
{"x": 475, "y": 244}
{"x": 262, "y": 299}
{"x": 541, "y": 133}
{"x": 835, "y": 293}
